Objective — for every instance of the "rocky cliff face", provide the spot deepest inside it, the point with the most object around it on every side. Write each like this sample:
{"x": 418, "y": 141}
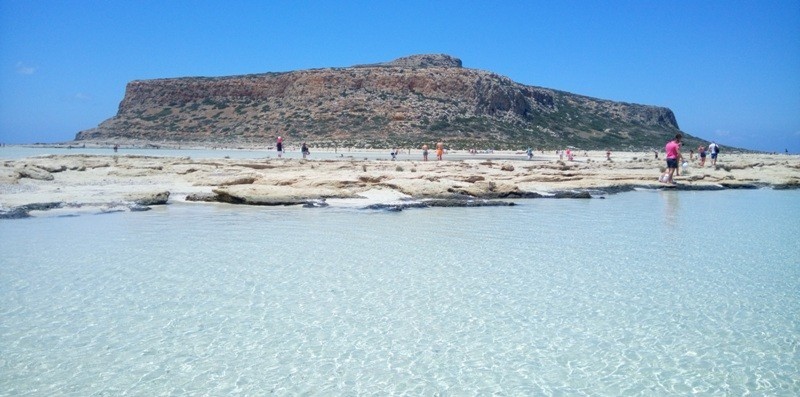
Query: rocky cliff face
{"x": 406, "y": 102}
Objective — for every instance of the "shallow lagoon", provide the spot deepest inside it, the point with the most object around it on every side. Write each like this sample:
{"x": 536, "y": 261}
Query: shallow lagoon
{"x": 640, "y": 293}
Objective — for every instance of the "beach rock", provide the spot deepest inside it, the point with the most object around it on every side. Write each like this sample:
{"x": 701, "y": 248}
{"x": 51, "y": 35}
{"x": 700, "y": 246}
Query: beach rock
{"x": 227, "y": 180}
{"x": 53, "y": 168}
{"x": 738, "y": 185}
{"x": 14, "y": 213}
{"x": 23, "y": 211}
{"x": 146, "y": 199}
{"x": 787, "y": 186}
{"x": 467, "y": 203}
{"x": 489, "y": 190}
{"x": 8, "y": 175}
{"x": 395, "y": 207}
{"x": 34, "y": 172}
{"x": 573, "y": 195}
{"x": 206, "y": 197}
{"x": 256, "y": 197}
{"x": 507, "y": 167}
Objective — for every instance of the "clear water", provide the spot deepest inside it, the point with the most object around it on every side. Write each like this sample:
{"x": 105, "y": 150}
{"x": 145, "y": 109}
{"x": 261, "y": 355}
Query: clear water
{"x": 643, "y": 293}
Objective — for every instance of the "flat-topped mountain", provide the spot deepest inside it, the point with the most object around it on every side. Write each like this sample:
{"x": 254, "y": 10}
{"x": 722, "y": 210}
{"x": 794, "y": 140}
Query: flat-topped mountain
{"x": 407, "y": 102}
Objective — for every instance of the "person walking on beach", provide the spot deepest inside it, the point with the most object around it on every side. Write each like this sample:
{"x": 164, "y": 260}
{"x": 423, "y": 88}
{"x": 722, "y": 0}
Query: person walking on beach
{"x": 439, "y": 150}
{"x": 702, "y": 150}
{"x": 304, "y": 150}
{"x": 279, "y": 145}
{"x": 714, "y": 149}
{"x": 529, "y": 152}
{"x": 673, "y": 149}
{"x": 425, "y": 152}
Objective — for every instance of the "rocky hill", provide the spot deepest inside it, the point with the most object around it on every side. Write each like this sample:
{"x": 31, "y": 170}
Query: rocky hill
{"x": 406, "y": 102}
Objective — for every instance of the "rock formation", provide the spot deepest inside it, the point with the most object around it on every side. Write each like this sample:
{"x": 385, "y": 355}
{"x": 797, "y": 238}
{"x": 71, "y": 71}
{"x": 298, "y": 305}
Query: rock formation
{"x": 406, "y": 102}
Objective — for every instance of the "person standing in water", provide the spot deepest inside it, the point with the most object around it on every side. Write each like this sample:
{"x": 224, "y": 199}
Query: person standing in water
{"x": 673, "y": 149}
{"x": 425, "y": 152}
{"x": 279, "y": 145}
{"x": 304, "y": 150}
{"x": 439, "y": 150}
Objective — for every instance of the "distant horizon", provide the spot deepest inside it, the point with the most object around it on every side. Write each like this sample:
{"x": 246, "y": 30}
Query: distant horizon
{"x": 728, "y": 71}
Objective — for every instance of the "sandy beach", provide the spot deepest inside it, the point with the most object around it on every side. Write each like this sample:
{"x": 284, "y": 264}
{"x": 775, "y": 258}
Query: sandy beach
{"x": 77, "y": 183}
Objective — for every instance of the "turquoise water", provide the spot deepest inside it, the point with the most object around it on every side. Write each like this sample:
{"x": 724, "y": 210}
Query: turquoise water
{"x": 642, "y": 293}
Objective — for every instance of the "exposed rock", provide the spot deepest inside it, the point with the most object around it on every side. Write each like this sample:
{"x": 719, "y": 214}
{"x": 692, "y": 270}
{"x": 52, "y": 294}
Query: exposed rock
{"x": 147, "y": 199}
{"x": 573, "y": 195}
{"x": 788, "y": 185}
{"x": 14, "y": 213}
{"x": 738, "y": 185}
{"x": 467, "y": 203}
{"x": 33, "y": 172}
{"x": 409, "y": 101}
{"x": 206, "y": 197}
{"x": 23, "y": 211}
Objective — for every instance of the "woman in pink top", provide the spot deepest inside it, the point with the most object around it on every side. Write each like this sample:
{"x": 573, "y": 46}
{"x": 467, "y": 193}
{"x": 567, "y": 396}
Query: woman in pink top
{"x": 673, "y": 150}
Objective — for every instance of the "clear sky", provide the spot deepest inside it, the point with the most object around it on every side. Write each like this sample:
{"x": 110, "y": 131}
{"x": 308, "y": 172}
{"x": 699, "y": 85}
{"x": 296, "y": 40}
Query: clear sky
{"x": 729, "y": 69}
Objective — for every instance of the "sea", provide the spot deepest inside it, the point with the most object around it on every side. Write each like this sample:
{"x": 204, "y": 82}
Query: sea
{"x": 648, "y": 292}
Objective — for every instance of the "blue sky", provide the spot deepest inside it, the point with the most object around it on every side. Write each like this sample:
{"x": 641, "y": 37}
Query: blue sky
{"x": 730, "y": 70}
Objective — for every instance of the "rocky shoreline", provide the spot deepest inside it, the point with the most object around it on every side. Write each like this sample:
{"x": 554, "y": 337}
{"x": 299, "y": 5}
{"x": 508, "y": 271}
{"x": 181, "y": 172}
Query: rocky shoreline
{"x": 64, "y": 185}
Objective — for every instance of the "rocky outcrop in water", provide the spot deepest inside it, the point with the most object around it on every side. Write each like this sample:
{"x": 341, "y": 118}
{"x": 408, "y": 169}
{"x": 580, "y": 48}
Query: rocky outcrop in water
{"x": 406, "y": 102}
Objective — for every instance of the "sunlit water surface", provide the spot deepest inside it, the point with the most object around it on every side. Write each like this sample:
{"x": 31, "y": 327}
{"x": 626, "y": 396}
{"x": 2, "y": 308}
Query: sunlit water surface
{"x": 641, "y": 293}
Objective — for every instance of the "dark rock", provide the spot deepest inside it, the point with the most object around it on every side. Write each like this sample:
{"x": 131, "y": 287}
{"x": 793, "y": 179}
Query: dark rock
{"x": 14, "y": 213}
{"x": 573, "y": 195}
{"x": 395, "y": 207}
{"x": 727, "y": 185}
{"x": 467, "y": 203}
{"x": 787, "y": 186}
{"x": 42, "y": 206}
{"x": 23, "y": 211}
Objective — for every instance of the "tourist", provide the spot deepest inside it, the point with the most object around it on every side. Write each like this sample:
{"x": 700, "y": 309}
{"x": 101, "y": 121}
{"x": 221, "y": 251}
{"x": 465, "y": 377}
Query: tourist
{"x": 673, "y": 150}
{"x": 425, "y": 152}
{"x": 439, "y": 150}
{"x": 702, "y": 151}
{"x": 530, "y": 153}
{"x": 304, "y": 150}
{"x": 608, "y": 155}
{"x": 714, "y": 149}
{"x": 394, "y": 154}
{"x": 279, "y": 145}
{"x": 691, "y": 154}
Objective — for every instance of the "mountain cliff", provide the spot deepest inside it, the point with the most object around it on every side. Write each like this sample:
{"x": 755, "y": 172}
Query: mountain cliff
{"x": 406, "y": 102}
